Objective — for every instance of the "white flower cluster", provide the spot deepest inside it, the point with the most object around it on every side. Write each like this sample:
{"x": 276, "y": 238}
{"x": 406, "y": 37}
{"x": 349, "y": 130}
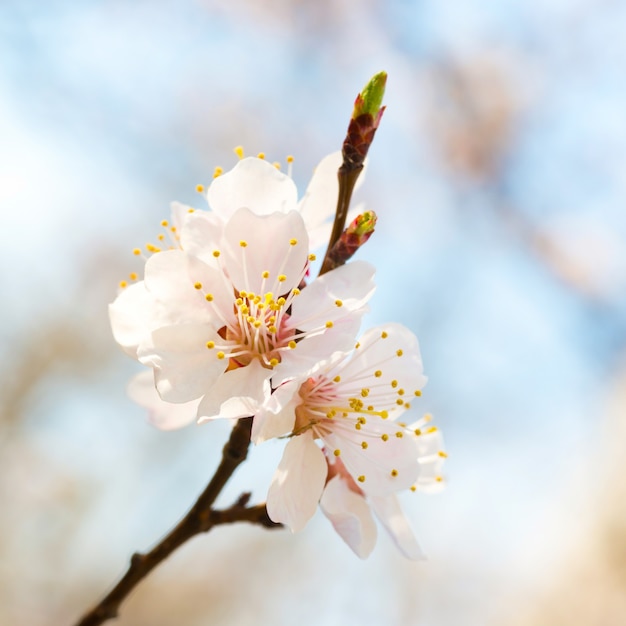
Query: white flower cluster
{"x": 231, "y": 325}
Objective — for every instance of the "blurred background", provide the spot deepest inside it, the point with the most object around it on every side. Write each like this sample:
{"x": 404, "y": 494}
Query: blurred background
{"x": 498, "y": 175}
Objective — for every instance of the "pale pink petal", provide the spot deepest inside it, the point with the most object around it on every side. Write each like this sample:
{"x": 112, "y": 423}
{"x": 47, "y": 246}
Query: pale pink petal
{"x": 184, "y": 367}
{"x": 337, "y": 294}
{"x": 388, "y": 511}
{"x": 269, "y": 247}
{"x": 314, "y": 351}
{"x": 431, "y": 460}
{"x": 277, "y": 416}
{"x": 297, "y": 484}
{"x": 393, "y": 351}
{"x": 179, "y": 212}
{"x": 385, "y": 465}
{"x": 132, "y": 317}
{"x": 255, "y": 184}
{"x": 201, "y": 235}
{"x": 319, "y": 202}
{"x": 320, "y": 198}
{"x": 162, "y": 415}
{"x": 170, "y": 277}
{"x": 236, "y": 393}
{"x": 350, "y": 516}
{"x": 167, "y": 276}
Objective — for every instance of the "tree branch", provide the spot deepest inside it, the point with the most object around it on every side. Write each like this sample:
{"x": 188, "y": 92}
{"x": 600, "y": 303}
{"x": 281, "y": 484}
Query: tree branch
{"x": 200, "y": 519}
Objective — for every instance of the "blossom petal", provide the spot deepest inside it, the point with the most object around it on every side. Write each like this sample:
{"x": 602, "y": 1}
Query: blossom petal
{"x": 179, "y": 212}
{"x": 170, "y": 278}
{"x": 350, "y": 516}
{"x": 236, "y": 393}
{"x": 430, "y": 447}
{"x": 320, "y": 198}
{"x": 184, "y": 367}
{"x": 256, "y": 244}
{"x": 200, "y": 235}
{"x": 314, "y": 351}
{"x": 133, "y": 316}
{"x": 386, "y": 353}
{"x": 319, "y": 202}
{"x": 297, "y": 484}
{"x": 277, "y": 416}
{"x": 255, "y": 184}
{"x": 340, "y": 293}
{"x": 381, "y": 466}
{"x": 388, "y": 511}
{"x": 162, "y": 415}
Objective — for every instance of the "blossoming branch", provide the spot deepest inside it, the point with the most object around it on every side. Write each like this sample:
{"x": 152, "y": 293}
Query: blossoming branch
{"x": 228, "y": 322}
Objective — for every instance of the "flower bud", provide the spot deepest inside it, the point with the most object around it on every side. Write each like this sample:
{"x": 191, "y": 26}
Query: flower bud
{"x": 366, "y": 117}
{"x": 352, "y": 238}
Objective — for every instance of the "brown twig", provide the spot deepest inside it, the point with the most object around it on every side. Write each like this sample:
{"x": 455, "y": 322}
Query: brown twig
{"x": 347, "y": 179}
{"x": 200, "y": 519}
{"x": 365, "y": 119}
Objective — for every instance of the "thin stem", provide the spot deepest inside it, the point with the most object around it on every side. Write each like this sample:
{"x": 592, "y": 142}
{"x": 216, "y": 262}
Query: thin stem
{"x": 200, "y": 518}
{"x": 347, "y": 176}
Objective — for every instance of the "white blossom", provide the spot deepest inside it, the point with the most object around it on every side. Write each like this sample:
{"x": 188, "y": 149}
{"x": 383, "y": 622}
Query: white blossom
{"x": 343, "y": 425}
{"x": 220, "y": 316}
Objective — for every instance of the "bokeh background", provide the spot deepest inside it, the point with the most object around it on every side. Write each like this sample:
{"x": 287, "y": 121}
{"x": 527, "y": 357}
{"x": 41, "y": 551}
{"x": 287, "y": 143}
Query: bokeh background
{"x": 498, "y": 175}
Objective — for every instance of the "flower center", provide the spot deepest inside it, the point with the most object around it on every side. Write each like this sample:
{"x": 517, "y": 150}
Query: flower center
{"x": 261, "y": 329}
{"x": 323, "y": 402}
